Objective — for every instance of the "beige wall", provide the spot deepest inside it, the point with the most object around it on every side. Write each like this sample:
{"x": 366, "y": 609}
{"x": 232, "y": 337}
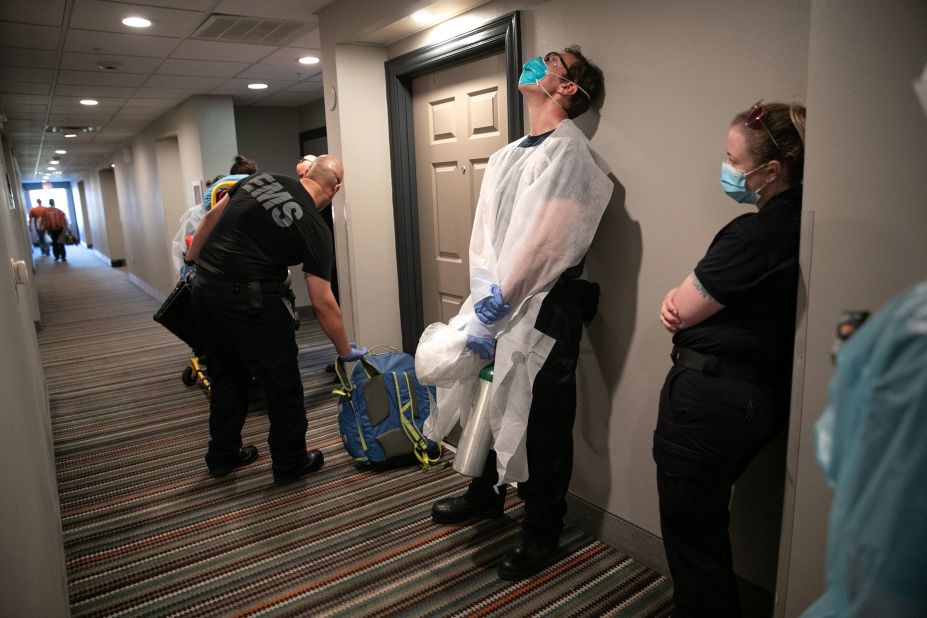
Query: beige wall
{"x": 34, "y": 581}
{"x": 204, "y": 127}
{"x": 109, "y": 199}
{"x": 867, "y": 158}
{"x": 96, "y": 215}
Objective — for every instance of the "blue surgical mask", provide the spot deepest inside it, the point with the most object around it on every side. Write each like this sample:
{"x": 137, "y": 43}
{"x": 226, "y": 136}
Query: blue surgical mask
{"x": 734, "y": 183}
{"x": 533, "y": 71}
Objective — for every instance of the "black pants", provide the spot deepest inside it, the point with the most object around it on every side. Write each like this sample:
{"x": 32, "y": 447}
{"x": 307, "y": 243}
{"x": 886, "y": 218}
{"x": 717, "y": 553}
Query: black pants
{"x": 58, "y": 249}
{"x": 549, "y": 442}
{"x": 708, "y": 430}
{"x": 241, "y": 343}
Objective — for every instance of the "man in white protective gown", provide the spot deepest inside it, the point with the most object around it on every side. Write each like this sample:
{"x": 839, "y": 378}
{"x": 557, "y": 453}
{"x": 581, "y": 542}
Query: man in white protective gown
{"x": 540, "y": 204}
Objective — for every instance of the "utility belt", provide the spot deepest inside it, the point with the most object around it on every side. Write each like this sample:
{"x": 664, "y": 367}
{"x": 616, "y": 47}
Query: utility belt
{"x": 256, "y": 290}
{"x": 714, "y": 365}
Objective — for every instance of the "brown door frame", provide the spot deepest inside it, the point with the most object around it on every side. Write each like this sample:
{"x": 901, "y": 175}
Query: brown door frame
{"x": 502, "y": 34}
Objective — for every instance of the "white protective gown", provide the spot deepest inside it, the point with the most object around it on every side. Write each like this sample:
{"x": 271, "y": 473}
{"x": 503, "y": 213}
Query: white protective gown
{"x": 537, "y": 214}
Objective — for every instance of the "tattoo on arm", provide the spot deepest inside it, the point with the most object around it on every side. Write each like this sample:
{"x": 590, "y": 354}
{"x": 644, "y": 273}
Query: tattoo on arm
{"x": 699, "y": 287}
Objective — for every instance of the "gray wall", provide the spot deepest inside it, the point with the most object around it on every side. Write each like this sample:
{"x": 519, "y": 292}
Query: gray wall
{"x": 33, "y": 580}
{"x": 312, "y": 115}
{"x": 865, "y": 171}
{"x": 270, "y": 136}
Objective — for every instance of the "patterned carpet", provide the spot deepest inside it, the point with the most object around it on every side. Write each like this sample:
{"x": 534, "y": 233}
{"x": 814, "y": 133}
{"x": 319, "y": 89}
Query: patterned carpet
{"x": 148, "y": 532}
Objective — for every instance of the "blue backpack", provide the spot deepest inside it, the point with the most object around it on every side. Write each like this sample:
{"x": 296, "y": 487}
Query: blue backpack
{"x": 383, "y": 408}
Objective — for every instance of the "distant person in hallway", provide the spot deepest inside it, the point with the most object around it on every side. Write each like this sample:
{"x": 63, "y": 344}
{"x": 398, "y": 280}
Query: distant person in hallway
{"x": 242, "y": 249}
{"x": 55, "y": 224}
{"x": 540, "y": 204}
{"x": 733, "y": 323}
{"x": 37, "y": 221}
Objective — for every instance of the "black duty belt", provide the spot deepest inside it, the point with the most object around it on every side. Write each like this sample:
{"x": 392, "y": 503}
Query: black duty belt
{"x": 714, "y": 365}
{"x": 245, "y": 287}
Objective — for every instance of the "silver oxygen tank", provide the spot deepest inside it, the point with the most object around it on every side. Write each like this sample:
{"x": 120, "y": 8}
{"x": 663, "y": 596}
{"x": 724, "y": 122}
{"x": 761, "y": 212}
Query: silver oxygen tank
{"x": 476, "y": 439}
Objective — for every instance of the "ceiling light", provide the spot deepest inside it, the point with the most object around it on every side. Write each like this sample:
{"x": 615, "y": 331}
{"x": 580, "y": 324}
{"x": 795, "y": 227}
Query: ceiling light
{"x": 112, "y": 165}
{"x": 136, "y": 22}
{"x": 70, "y": 134}
{"x": 59, "y": 151}
{"x": 89, "y": 102}
{"x": 423, "y": 17}
{"x": 50, "y": 168}
{"x": 257, "y": 86}
{"x": 309, "y": 60}
{"x": 54, "y": 161}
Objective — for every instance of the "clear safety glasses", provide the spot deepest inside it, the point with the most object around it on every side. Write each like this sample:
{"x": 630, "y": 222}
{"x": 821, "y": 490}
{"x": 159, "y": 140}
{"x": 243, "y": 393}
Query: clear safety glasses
{"x": 553, "y": 59}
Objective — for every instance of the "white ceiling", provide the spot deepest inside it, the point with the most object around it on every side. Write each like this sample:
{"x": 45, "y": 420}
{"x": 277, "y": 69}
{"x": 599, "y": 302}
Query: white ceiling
{"x": 49, "y": 50}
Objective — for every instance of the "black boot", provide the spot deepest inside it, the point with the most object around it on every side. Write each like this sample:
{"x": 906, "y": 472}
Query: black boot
{"x": 456, "y": 509}
{"x": 526, "y": 559}
{"x": 246, "y": 455}
{"x": 314, "y": 461}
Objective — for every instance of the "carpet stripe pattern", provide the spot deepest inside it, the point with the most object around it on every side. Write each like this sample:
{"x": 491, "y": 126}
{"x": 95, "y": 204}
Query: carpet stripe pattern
{"x": 149, "y": 533}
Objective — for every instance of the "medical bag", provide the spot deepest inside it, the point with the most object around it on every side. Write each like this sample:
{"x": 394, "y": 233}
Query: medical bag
{"x": 383, "y": 408}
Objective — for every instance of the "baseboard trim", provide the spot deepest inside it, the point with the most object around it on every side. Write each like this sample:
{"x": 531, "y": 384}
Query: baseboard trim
{"x": 103, "y": 258}
{"x": 148, "y": 289}
{"x": 615, "y": 532}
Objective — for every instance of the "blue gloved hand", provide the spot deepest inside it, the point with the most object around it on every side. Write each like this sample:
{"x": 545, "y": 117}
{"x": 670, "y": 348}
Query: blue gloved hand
{"x": 354, "y": 355}
{"x": 484, "y": 348}
{"x": 186, "y": 269}
{"x": 492, "y": 308}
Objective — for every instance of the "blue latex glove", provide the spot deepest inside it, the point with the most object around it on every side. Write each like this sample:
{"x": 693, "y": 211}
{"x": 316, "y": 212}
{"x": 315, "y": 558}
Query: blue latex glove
{"x": 484, "y": 348}
{"x": 492, "y": 308}
{"x": 354, "y": 355}
{"x": 186, "y": 269}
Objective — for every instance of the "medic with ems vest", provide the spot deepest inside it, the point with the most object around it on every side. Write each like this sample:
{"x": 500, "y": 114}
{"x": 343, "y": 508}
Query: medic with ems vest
{"x": 242, "y": 249}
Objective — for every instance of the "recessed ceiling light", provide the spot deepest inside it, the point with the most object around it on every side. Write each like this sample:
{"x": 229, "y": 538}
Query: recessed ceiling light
{"x": 423, "y": 16}
{"x": 50, "y": 168}
{"x": 112, "y": 165}
{"x": 54, "y": 161}
{"x": 89, "y": 102}
{"x": 309, "y": 60}
{"x": 257, "y": 86}
{"x": 59, "y": 151}
{"x": 70, "y": 134}
{"x": 136, "y": 22}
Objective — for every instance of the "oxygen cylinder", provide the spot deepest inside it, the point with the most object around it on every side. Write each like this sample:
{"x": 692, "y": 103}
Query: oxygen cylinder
{"x": 476, "y": 439}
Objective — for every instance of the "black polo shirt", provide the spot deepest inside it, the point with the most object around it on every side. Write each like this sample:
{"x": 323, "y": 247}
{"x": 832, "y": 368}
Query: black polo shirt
{"x": 752, "y": 269}
{"x": 269, "y": 224}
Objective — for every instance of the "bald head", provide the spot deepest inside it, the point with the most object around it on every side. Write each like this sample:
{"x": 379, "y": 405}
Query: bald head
{"x": 325, "y": 177}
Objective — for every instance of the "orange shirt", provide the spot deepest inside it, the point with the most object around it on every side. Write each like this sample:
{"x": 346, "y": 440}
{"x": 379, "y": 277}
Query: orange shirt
{"x": 37, "y": 214}
{"x": 55, "y": 219}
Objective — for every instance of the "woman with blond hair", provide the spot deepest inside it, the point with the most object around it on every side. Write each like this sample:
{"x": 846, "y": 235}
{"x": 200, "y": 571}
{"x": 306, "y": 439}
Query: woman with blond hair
{"x": 733, "y": 323}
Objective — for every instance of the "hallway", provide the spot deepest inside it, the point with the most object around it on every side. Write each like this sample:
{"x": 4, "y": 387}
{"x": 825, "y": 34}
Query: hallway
{"x": 147, "y": 531}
